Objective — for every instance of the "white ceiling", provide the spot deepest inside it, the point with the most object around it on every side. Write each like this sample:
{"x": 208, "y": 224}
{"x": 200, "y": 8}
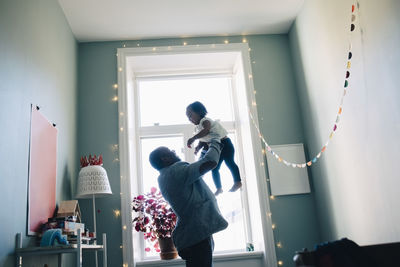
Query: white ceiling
{"x": 105, "y": 20}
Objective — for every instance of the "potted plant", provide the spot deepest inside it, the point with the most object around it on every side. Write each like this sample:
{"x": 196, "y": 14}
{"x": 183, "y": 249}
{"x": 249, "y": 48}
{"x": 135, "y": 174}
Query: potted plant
{"x": 156, "y": 220}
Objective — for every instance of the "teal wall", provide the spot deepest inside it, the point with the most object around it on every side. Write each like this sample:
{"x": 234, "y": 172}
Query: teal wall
{"x": 357, "y": 179}
{"x": 277, "y": 103}
{"x": 38, "y": 64}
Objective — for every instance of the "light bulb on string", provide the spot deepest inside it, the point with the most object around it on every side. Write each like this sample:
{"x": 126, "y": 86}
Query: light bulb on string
{"x": 117, "y": 213}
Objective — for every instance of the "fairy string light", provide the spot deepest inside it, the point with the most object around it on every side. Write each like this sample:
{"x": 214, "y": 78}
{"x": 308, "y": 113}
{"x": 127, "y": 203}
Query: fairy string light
{"x": 335, "y": 124}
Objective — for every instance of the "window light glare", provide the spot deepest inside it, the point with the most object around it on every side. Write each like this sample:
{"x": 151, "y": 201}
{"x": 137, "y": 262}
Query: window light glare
{"x": 280, "y": 263}
{"x": 273, "y": 226}
{"x": 184, "y": 43}
{"x": 244, "y": 40}
{"x": 154, "y": 49}
{"x": 226, "y": 41}
{"x": 279, "y": 245}
{"x": 115, "y": 85}
{"x": 124, "y": 227}
{"x": 272, "y": 197}
{"x": 119, "y": 69}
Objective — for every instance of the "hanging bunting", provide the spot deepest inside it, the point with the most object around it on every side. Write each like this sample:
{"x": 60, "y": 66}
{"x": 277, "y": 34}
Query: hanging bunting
{"x": 335, "y": 125}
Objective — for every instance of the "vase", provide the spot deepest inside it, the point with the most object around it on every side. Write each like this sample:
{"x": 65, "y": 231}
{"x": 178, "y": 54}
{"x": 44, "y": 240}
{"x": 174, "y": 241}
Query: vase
{"x": 168, "y": 250}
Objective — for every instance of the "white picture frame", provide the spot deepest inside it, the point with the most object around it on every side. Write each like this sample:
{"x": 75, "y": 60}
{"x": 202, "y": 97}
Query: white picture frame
{"x": 286, "y": 180}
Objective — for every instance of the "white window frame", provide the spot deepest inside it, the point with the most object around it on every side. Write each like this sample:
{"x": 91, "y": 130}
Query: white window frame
{"x": 128, "y": 131}
{"x": 186, "y": 130}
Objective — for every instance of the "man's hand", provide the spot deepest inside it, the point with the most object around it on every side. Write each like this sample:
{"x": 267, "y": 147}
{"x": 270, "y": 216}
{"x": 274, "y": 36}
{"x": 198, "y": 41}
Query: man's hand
{"x": 197, "y": 149}
{"x": 190, "y": 142}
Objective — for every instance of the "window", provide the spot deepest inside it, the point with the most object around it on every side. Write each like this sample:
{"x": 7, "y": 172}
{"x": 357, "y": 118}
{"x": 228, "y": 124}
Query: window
{"x": 162, "y": 122}
{"x": 205, "y": 73}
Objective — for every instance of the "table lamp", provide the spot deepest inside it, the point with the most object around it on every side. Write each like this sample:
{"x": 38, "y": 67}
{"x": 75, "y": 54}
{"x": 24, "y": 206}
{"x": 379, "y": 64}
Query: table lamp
{"x": 93, "y": 182}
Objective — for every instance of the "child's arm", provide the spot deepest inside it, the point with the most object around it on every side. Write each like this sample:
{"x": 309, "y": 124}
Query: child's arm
{"x": 206, "y": 129}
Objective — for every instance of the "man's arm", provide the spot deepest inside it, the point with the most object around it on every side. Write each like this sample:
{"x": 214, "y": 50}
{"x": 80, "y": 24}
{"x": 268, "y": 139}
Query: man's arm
{"x": 205, "y": 164}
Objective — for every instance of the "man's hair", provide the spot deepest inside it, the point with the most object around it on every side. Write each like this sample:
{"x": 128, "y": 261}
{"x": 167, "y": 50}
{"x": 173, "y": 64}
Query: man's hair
{"x": 199, "y": 108}
{"x": 155, "y": 159}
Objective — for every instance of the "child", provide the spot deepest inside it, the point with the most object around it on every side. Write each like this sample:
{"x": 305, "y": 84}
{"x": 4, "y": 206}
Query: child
{"x": 207, "y": 130}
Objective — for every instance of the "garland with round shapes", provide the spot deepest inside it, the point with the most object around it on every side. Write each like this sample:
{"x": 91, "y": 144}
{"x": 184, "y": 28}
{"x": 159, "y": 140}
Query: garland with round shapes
{"x": 339, "y": 113}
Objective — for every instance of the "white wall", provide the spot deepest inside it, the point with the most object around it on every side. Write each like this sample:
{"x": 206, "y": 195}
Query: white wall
{"x": 357, "y": 180}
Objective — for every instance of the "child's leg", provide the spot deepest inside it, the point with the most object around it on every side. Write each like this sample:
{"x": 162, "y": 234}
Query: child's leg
{"x": 228, "y": 153}
{"x": 215, "y": 173}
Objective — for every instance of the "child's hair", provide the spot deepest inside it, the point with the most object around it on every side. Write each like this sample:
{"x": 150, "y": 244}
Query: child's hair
{"x": 199, "y": 108}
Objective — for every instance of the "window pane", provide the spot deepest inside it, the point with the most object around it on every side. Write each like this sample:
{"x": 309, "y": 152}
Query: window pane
{"x": 230, "y": 204}
{"x": 164, "y": 102}
{"x": 149, "y": 174}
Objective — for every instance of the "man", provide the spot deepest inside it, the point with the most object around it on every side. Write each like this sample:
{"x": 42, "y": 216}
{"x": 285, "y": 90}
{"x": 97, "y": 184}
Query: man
{"x": 181, "y": 184}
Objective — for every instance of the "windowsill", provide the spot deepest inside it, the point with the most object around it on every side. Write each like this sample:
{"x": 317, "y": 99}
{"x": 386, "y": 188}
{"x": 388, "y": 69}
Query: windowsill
{"x": 216, "y": 258}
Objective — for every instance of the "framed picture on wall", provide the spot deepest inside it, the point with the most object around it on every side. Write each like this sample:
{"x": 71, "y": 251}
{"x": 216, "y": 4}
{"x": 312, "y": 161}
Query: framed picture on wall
{"x": 42, "y": 171}
{"x": 285, "y": 180}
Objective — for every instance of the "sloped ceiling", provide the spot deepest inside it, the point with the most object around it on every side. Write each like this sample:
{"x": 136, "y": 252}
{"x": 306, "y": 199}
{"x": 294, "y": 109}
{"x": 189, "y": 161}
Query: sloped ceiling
{"x": 105, "y": 20}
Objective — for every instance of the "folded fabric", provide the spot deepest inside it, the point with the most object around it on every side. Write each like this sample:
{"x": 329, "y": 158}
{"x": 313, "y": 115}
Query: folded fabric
{"x": 53, "y": 237}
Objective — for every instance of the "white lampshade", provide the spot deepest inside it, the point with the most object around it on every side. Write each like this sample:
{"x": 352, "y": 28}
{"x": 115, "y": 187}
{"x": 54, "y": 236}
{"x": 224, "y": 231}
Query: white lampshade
{"x": 93, "y": 180}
